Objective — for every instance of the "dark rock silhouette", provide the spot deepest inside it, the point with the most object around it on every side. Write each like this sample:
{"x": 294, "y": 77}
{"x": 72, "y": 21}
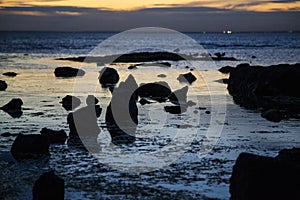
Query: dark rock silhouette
{"x": 161, "y": 75}
{"x": 273, "y": 87}
{"x": 30, "y": 146}
{"x": 13, "y": 108}
{"x": 70, "y": 102}
{"x": 108, "y": 77}
{"x": 54, "y": 137}
{"x": 122, "y": 112}
{"x": 226, "y": 69}
{"x": 188, "y": 77}
{"x": 91, "y": 100}
{"x": 143, "y": 101}
{"x": 158, "y": 91}
{"x": 179, "y": 96}
{"x": 176, "y": 109}
{"x": 260, "y": 177}
{"x": 67, "y": 72}
{"x": 221, "y": 56}
{"x": 3, "y": 85}
{"x": 11, "y": 74}
{"x": 48, "y": 187}
{"x": 273, "y": 115}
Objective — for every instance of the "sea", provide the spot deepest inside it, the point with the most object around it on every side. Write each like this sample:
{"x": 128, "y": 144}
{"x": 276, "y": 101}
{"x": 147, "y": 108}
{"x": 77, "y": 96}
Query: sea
{"x": 176, "y": 156}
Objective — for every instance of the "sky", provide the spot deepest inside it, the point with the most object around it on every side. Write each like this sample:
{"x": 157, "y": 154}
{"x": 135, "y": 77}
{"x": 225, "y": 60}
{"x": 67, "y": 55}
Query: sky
{"x": 180, "y": 15}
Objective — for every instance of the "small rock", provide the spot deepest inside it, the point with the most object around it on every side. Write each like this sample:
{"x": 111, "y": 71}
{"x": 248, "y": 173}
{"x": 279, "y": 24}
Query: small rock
{"x": 68, "y": 72}
{"x": 54, "y": 137}
{"x": 11, "y": 74}
{"x": 253, "y": 57}
{"x": 13, "y": 107}
{"x": 144, "y": 101}
{"x": 108, "y": 77}
{"x": 272, "y": 115}
{"x": 207, "y": 112}
{"x": 91, "y": 100}
{"x": 48, "y": 187}
{"x": 188, "y": 77}
{"x": 132, "y": 67}
{"x": 3, "y": 85}
{"x": 175, "y": 109}
{"x": 179, "y": 96}
{"x": 226, "y": 69}
{"x": 162, "y": 76}
{"x": 158, "y": 91}
{"x": 70, "y": 102}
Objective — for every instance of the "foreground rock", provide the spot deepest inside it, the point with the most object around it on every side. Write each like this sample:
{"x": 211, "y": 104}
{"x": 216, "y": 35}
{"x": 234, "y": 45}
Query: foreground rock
{"x": 67, "y": 72}
{"x": 158, "y": 91}
{"x": 176, "y": 109}
{"x": 122, "y": 112}
{"x": 260, "y": 178}
{"x": 70, "y": 102}
{"x": 55, "y": 137}
{"x": 48, "y": 187}
{"x": 188, "y": 77}
{"x": 3, "y": 85}
{"x": 30, "y": 146}
{"x": 273, "y": 87}
{"x": 13, "y": 108}
{"x": 10, "y": 74}
{"x": 108, "y": 77}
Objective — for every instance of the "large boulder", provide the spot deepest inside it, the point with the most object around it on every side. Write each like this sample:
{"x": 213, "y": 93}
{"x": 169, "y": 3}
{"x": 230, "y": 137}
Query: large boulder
{"x": 3, "y": 85}
{"x": 54, "y": 137}
{"x": 187, "y": 78}
{"x": 158, "y": 91}
{"x": 13, "y": 107}
{"x": 70, "y": 102}
{"x": 260, "y": 177}
{"x": 67, "y": 72}
{"x": 30, "y": 146}
{"x": 108, "y": 77}
{"x": 48, "y": 187}
{"x": 122, "y": 112}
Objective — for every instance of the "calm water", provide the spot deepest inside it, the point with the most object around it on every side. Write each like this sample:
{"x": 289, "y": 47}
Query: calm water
{"x": 203, "y": 163}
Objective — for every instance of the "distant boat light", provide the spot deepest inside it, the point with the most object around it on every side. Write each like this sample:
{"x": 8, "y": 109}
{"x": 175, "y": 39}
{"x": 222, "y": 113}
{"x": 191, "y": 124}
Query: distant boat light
{"x": 227, "y": 32}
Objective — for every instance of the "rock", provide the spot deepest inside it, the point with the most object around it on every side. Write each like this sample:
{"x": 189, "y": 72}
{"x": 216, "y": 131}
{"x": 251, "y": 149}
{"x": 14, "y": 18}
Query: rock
{"x": 132, "y": 67}
{"x": 191, "y": 103}
{"x": 188, "y": 77}
{"x": 70, "y": 102}
{"x": 289, "y": 155}
{"x": 30, "y": 146}
{"x": 226, "y": 69}
{"x": 272, "y": 115}
{"x": 11, "y": 74}
{"x": 122, "y": 112}
{"x": 253, "y": 57}
{"x": 91, "y": 100}
{"x": 13, "y": 108}
{"x": 144, "y": 101}
{"x": 48, "y": 187}
{"x": 3, "y": 85}
{"x": 207, "y": 112}
{"x": 164, "y": 64}
{"x": 68, "y": 72}
{"x": 108, "y": 77}
{"x": 176, "y": 109}
{"x": 162, "y": 76}
{"x": 259, "y": 177}
{"x": 158, "y": 91}
{"x": 54, "y": 137}
{"x": 179, "y": 96}
{"x": 7, "y": 134}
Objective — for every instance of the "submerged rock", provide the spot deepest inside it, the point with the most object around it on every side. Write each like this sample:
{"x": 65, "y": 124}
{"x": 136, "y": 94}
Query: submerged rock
{"x": 54, "y": 137}
{"x": 260, "y": 177}
{"x": 70, "y": 102}
{"x": 108, "y": 77}
{"x": 48, "y": 187}
{"x": 30, "y": 146}
{"x": 3, "y": 85}
{"x": 68, "y": 72}
{"x": 188, "y": 77}
{"x": 11, "y": 74}
{"x": 158, "y": 91}
{"x": 13, "y": 108}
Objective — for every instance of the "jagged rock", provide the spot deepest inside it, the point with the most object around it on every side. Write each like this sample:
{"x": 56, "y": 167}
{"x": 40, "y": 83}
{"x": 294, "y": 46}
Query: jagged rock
{"x": 11, "y": 74}
{"x": 108, "y": 77}
{"x": 188, "y": 77}
{"x": 260, "y": 177}
{"x": 70, "y": 102}
{"x": 30, "y": 146}
{"x": 122, "y": 112}
{"x": 158, "y": 91}
{"x": 226, "y": 69}
{"x": 179, "y": 96}
{"x": 68, "y": 72}
{"x": 3, "y": 85}
{"x": 13, "y": 108}
{"x": 54, "y": 137}
{"x": 48, "y": 187}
